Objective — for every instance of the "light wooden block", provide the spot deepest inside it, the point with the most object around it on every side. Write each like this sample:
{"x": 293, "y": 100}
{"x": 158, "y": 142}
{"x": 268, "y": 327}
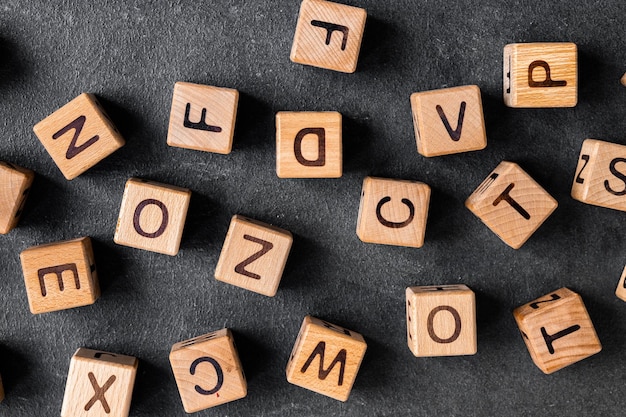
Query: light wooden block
{"x": 203, "y": 118}
{"x": 15, "y": 185}
{"x": 208, "y": 371}
{"x": 557, "y": 330}
{"x": 326, "y": 358}
{"x": 308, "y": 145}
{"x": 254, "y": 255}
{"x": 623, "y": 80}
{"x": 620, "y": 291}
{"x": 328, "y": 35}
{"x": 449, "y": 121}
{"x": 152, "y": 216}
{"x": 540, "y": 75}
{"x": 60, "y": 275}
{"x": 99, "y": 384}
{"x": 511, "y": 204}
{"x": 393, "y": 212}
{"x": 441, "y": 320}
{"x": 78, "y": 135}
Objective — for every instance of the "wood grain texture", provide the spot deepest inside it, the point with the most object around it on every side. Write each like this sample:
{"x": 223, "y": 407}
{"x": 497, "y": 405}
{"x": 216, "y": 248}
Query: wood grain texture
{"x": 511, "y": 204}
{"x": 60, "y": 275}
{"x": 462, "y": 108}
{"x": 254, "y": 255}
{"x": 314, "y": 44}
{"x": 15, "y": 185}
{"x": 96, "y": 139}
{"x": 620, "y": 291}
{"x": 557, "y": 330}
{"x": 99, "y": 384}
{"x": 393, "y": 212}
{"x": 208, "y": 371}
{"x": 203, "y": 117}
{"x": 152, "y": 216}
{"x": 326, "y": 358}
{"x": 526, "y": 82}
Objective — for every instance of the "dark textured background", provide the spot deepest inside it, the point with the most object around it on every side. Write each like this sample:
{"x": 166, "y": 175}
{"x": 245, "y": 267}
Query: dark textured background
{"x": 131, "y": 54}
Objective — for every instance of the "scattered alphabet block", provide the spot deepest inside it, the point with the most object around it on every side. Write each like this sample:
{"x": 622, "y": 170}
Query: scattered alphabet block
{"x": 78, "y": 135}
{"x": 326, "y": 358}
{"x": 441, "y": 320}
{"x": 15, "y": 185}
{"x": 99, "y": 384}
{"x": 621, "y": 287}
{"x": 624, "y": 79}
{"x": 328, "y": 35}
{"x": 540, "y": 75}
{"x": 208, "y": 371}
{"x": 308, "y": 145}
{"x": 393, "y": 212}
{"x": 557, "y": 330}
{"x": 152, "y": 216}
{"x": 203, "y": 118}
{"x": 254, "y": 255}
{"x": 449, "y": 121}
{"x": 511, "y": 204}
{"x": 60, "y": 275}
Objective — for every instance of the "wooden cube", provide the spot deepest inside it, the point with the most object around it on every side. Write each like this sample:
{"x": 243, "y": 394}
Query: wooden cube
{"x": 203, "y": 118}
{"x": 540, "y": 75}
{"x": 15, "y": 185}
{"x": 152, "y": 216}
{"x": 78, "y": 135}
{"x": 254, "y": 255}
{"x": 328, "y": 35}
{"x": 208, "y": 371}
{"x": 393, "y": 212}
{"x": 449, "y": 121}
{"x": 624, "y": 79}
{"x": 99, "y": 384}
{"x": 60, "y": 275}
{"x": 326, "y": 358}
{"x": 308, "y": 145}
{"x": 620, "y": 291}
{"x": 557, "y": 330}
{"x": 441, "y": 320}
{"x": 511, "y": 204}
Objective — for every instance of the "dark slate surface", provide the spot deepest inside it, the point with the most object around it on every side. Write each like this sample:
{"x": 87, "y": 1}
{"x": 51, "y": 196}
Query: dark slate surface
{"x": 131, "y": 54}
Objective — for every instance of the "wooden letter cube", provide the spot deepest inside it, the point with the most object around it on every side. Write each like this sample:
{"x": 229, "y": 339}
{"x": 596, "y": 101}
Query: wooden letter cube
{"x": 557, "y": 330}
{"x": 78, "y": 135}
{"x": 621, "y": 287}
{"x": 152, "y": 216}
{"x": 208, "y": 371}
{"x": 328, "y": 35}
{"x": 511, "y": 204}
{"x": 203, "y": 118}
{"x": 254, "y": 255}
{"x": 308, "y": 145}
{"x": 540, "y": 75}
{"x": 60, "y": 275}
{"x": 441, "y": 320}
{"x": 99, "y": 384}
{"x": 393, "y": 212}
{"x": 449, "y": 121}
{"x": 15, "y": 184}
{"x": 326, "y": 358}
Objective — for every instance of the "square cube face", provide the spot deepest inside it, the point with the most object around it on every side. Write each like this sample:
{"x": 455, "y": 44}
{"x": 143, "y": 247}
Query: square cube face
{"x": 393, "y": 212}
{"x": 203, "y": 118}
{"x": 60, "y": 275}
{"x": 78, "y": 135}
{"x": 328, "y": 35}
{"x": 99, "y": 384}
{"x": 208, "y": 371}
{"x": 308, "y": 145}
{"x": 441, "y": 320}
{"x": 253, "y": 256}
{"x": 620, "y": 292}
{"x": 449, "y": 121}
{"x": 152, "y": 216}
{"x": 326, "y": 358}
{"x": 557, "y": 330}
{"x": 15, "y": 185}
{"x": 540, "y": 75}
{"x": 511, "y": 204}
